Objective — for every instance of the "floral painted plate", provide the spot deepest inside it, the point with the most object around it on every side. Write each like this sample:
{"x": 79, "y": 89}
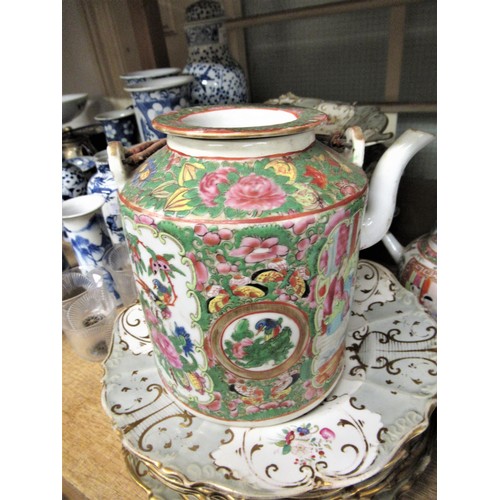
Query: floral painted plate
{"x": 383, "y": 400}
{"x": 391, "y": 481}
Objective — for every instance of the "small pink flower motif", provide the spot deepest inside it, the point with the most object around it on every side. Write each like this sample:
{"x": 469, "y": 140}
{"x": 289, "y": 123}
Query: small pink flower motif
{"x": 211, "y": 239}
{"x": 300, "y": 225}
{"x": 311, "y": 392}
{"x": 150, "y": 317}
{"x": 239, "y": 280}
{"x": 347, "y": 188}
{"x": 285, "y": 297}
{"x": 304, "y": 244}
{"x": 224, "y": 267}
{"x": 214, "y": 405}
{"x": 233, "y": 407}
{"x": 289, "y": 437}
{"x": 200, "y": 229}
{"x": 209, "y": 184}
{"x": 233, "y": 404}
{"x": 257, "y": 250}
{"x": 167, "y": 348}
{"x": 200, "y": 270}
{"x": 144, "y": 219}
{"x": 225, "y": 234}
{"x": 213, "y": 290}
{"x": 327, "y": 433}
{"x": 334, "y": 221}
{"x": 255, "y": 192}
{"x": 262, "y": 407}
{"x": 239, "y": 348}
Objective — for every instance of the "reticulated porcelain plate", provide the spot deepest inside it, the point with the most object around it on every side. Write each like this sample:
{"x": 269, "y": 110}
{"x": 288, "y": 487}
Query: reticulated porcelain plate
{"x": 392, "y": 480}
{"x": 384, "y": 399}
{"x": 342, "y": 115}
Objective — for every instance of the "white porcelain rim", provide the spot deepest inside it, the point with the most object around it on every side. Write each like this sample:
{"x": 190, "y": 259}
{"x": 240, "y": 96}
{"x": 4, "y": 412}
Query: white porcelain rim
{"x": 160, "y": 83}
{"x": 68, "y": 98}
{"x": 114, "y": 114}
{"x": 150, "y": 73}
{"x": 81, "y": 205}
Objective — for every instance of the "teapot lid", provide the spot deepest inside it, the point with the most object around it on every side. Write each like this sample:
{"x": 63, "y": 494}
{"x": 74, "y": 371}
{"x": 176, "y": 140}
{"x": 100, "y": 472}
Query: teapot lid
{"x": 243, "y": 162}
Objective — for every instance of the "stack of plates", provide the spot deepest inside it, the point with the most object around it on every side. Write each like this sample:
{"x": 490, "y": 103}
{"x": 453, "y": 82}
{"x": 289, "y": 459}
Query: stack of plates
{"x": 371, "y": 436}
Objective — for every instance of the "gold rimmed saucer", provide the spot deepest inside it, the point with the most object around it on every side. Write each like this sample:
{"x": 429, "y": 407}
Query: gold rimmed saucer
{"x": 393, "y": 480}
{"x": 355, "y": 439}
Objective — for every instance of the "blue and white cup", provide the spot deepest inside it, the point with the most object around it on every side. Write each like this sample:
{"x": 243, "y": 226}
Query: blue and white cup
{"x": 120, "y": 125}
{"x": 158, "y": 97}
{"x": 148, "y": 74}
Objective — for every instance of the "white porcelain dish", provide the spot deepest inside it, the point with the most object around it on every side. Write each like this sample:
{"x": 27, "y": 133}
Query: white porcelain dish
{"x": 342, "y": 115}
{"x": 383, "y": 400}
{"x": 72, "y": 106}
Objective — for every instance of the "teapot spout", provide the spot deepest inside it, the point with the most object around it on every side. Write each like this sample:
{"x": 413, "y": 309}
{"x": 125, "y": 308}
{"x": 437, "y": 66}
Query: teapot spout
{"x": 384, "y": 184}
{"x": 393, "y": 247}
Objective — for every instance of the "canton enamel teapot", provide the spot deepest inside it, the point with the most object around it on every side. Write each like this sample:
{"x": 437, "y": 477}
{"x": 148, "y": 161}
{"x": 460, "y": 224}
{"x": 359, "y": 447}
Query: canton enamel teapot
{"x": 417, "y": 267}
{"x": 244, "y": 231}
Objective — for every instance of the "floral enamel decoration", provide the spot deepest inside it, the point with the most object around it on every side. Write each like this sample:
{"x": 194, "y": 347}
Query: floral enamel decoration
{"x": 253, "y": 228}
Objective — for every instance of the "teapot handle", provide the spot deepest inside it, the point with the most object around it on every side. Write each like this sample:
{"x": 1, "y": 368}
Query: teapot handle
{"x": 116, "y": 158}
{"x": 355, "y": 136}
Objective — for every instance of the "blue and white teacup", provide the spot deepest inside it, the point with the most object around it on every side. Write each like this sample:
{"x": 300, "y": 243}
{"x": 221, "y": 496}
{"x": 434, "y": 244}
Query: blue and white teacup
{"x": 158, "y": 97}
{"x": 120, "y": 125}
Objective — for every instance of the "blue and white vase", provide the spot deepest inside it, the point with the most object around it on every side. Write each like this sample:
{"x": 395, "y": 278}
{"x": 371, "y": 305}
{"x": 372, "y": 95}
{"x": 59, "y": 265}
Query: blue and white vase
{"x": 84, "y": 224}
{"x": 120, "y": 125}
{"x": 103, "y": 183}
{"x": 219, "y": 79}
{"x": 158, "y": 97}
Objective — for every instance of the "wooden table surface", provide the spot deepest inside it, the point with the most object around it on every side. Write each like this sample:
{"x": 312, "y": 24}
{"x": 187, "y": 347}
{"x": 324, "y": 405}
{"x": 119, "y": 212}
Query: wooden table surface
{"x": 93, "y": 465}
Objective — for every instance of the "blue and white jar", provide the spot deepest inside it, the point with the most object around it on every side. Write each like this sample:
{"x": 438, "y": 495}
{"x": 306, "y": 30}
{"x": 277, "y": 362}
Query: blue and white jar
{"x": 219, "y": 79}
{"x": 103, "y": 183}
{"x": 158, "y": 97}
{"x": 120, "y": 125}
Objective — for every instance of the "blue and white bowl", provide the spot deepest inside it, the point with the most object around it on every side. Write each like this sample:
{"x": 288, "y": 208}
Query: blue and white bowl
{"x": 148, "y": 74}
{"x": 158, "y": 97}
{"x": 120, "y": 125}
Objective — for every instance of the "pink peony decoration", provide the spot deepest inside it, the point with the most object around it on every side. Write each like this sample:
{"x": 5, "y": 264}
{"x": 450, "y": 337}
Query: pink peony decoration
{"x": 255, "y": 192}
{"x": 167, "y": 348}
{"x": 209, "y": 183}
